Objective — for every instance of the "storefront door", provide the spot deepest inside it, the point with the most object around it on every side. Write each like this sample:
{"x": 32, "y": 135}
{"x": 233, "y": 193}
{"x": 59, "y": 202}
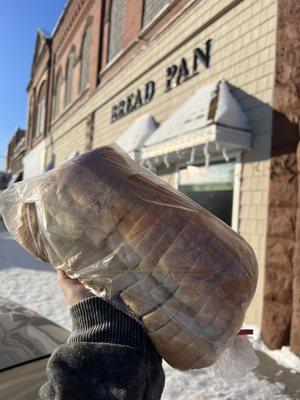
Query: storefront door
{"x": 211, "y": 187}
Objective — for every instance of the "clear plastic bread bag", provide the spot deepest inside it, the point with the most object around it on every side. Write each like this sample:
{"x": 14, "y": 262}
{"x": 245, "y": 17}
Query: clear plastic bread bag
{"x": 134, "y": 240}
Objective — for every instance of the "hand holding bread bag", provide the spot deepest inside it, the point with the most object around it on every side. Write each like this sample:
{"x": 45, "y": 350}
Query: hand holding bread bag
{"x": 126, "y": 234}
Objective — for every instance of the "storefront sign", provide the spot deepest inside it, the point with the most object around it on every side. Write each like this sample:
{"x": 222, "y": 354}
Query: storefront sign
{"x": 176, "y": 74}
{"x": 133, "y": 101}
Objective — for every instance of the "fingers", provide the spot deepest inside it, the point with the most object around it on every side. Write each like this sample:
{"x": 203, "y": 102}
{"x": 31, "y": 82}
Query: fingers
{"x": 72, "y": 289}
{"x": 61, "y": 276}
{"x": 65, "y": 281}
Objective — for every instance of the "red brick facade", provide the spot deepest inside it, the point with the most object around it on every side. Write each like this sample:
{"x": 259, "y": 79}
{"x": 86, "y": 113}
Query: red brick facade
{"x": 52, "y": 55}
{"x": 136, "y": 39}
{"x": 16, "y": 151}
{"x": 67, "y": 39}
{"x": 40, "y": 73}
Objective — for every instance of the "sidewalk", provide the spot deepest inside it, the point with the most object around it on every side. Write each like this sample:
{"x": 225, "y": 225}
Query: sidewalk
{"x": 287, "y": 381}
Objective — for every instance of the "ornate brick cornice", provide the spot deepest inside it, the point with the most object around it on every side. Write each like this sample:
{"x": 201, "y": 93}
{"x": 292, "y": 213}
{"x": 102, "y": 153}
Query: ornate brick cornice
{"x": 75, "y": 14}
{"x": 41, "y": 57}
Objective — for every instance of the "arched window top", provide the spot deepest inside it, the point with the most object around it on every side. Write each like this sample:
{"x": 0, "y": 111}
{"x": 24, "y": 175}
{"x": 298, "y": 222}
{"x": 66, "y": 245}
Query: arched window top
{"x": 116, "y": 28}
{"x": 56, "y": 109}
{"x": 152, "y": 8}
{"x": 32, "y": 97}
{"x": 69, "y": 79}
{"x": 40, "y": 113}
{"x": 58, "y": 80}
{"x": 85, "y": 58}
{"x": 31, "y": 122}
{"x": 42, "y": 92}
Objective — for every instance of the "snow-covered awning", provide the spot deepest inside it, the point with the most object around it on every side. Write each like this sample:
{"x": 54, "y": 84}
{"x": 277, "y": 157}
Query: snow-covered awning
{"x": 135, "y": 136}
{"x": 210, "y": 121}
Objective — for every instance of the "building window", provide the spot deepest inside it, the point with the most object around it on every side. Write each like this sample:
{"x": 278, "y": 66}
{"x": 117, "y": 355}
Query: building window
{"x": 152, "y": 8}
{"x": 85, "y": 59}
{"x": 40, "y": 111}
{"x": 116, "y": 28}
{"x": 69, "y": 79}
{"x": 211, "y": 187}
{"x": 56, "y": 96}
{"x": 31, "y": 120}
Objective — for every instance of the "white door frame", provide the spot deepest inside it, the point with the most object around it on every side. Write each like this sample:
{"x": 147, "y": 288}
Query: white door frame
{"x": 236, "y": 155}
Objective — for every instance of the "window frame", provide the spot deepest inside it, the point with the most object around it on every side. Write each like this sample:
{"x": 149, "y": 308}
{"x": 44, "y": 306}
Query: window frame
{"x": 40, "y": 112}
{"x": 40, "y": 117}
{"x": 235, "y": 156}
{"x": 71, "y": 58}
{"x": 31, "y": 114}
{"x": 88, "y": 30}
{"x": 56, "y": 100}
{"x": 162, "y": 11}
{"x": 112, "y": 59}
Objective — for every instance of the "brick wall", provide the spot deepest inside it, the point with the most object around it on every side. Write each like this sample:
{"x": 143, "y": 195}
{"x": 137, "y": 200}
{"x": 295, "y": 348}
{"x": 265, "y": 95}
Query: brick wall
{"x": 295, "y": 322}
{"x": 16, "y": 152}
{"x": 39, "y": 77}
{"x": 281, "y": 293}
{"x": 243, "y": 53}
{"x": 67, "y": 40}
{"x": 136, "y": 37}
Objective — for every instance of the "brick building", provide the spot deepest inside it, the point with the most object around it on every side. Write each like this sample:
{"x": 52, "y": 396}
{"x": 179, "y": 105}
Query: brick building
{"x": 3, "y": 181}
{"x": 204, "y": 94}
{"x": 15, "y": 154}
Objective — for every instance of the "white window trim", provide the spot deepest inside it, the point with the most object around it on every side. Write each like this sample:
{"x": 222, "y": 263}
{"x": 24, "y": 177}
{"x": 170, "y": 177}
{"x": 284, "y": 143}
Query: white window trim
{"x": 40, "y": 118}
{"x": 86, "y": 60}
{"x": 69, "y": 82}
{"x": 236, "y": 193}
{"x": 57, "y": 97}
{"x": 155, "y": 18}
{"x": 111, "y": 60}
{"x": 236, "y": 155}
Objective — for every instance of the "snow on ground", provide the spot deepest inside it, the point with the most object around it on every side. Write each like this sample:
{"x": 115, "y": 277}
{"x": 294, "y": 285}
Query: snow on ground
{"x": 284, "y": 356}
{"x": 33, "y": 284}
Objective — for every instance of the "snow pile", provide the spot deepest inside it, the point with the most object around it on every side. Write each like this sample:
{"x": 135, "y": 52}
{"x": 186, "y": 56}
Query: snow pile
{"x": 284, "y": 356}
{"x": 36, "y": 290}
{"x": 204, "y": 385}
{"x": 33, "y": 284}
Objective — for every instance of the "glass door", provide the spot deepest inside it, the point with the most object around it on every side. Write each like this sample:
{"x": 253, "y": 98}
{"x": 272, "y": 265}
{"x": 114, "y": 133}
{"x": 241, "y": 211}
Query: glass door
{"x": 211, "y": 187}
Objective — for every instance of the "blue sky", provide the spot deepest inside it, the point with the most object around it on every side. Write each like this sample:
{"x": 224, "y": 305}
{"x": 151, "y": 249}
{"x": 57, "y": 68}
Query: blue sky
{"x": 19, "y": 21}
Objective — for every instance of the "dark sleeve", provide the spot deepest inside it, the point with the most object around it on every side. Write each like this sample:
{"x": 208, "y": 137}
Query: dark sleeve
{"x": 108, "y": 356}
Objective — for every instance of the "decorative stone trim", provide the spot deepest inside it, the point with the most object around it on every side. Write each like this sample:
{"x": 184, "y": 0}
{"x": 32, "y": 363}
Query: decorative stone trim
{"x": 76, "y": 13}
{"x": 282, "y": 287}
{"x": 295, "y": 326}
{"x": 90, "y": 131}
